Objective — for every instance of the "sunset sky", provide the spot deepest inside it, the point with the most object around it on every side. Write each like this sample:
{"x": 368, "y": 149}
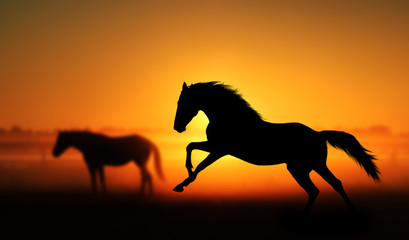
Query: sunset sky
{"x": 326, "y": 64}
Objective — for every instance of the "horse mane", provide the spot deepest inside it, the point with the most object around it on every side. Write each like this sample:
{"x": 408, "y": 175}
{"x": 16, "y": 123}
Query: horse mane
{"x": 220, "y": 94}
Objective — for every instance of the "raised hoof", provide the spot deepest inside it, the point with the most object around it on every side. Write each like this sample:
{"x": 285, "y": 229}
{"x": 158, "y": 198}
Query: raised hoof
{"x": 178, "y": 188}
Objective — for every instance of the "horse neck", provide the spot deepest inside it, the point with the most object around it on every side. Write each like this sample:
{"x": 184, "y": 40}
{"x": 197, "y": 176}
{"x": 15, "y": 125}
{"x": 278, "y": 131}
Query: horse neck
{"x": 79, "y": 142}
{"x": 218, "y": 113}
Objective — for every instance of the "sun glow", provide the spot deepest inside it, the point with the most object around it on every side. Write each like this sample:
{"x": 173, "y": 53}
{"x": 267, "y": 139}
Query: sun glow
{"x": 199, "y": 123}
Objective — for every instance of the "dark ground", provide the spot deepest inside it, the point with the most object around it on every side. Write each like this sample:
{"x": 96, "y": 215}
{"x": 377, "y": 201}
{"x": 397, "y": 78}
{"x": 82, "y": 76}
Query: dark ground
{"x": 123, "y": 216}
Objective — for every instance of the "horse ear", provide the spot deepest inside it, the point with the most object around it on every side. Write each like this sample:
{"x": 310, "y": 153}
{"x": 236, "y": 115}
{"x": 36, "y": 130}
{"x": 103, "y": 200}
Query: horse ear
{"x": 184, "y": 86}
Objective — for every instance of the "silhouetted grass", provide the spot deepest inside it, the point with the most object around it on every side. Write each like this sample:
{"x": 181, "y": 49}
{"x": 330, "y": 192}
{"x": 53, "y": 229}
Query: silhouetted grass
{"x": 81, "y": 214}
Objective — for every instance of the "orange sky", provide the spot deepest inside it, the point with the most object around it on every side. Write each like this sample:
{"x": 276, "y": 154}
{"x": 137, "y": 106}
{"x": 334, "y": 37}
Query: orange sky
{"x": 327, "y": 64}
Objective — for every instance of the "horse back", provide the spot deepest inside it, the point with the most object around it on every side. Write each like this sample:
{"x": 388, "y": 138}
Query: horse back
{"x": 118, "y": 150}
{"x": 293, "y": 140}
{"x": 275, "y": 143}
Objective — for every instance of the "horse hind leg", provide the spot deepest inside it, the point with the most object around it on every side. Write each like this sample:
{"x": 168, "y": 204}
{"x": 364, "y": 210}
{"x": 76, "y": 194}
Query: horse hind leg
{"x": 92, "y": 173}
{"x": 102, "y": 178}
{"x": 335, "y": 183}
{"x": 149, "y": 182}
{"x": 146, "y": 179}
{"x": 301, "y": 175}
{"x": 143, "y": 182}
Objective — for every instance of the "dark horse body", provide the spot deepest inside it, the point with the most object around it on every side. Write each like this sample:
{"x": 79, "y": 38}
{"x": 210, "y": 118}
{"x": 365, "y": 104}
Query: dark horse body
{"x": 238, "y": 130}
{"x": 99, "y": 150}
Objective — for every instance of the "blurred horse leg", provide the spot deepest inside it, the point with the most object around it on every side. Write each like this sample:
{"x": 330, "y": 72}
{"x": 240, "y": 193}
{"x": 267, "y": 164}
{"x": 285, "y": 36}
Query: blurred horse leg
{"x": 92, "y": 171}
{"x": 102, "y": 177}
{"x": 146, "y": 179}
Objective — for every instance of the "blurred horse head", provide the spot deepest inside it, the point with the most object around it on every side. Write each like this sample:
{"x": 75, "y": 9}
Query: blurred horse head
{"x": 61, "y": 144}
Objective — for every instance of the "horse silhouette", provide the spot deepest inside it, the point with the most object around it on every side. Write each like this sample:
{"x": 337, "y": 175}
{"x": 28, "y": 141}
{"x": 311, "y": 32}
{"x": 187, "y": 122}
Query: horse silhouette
{"x": 99, "y": 150}
{"x": 237, "y": 129}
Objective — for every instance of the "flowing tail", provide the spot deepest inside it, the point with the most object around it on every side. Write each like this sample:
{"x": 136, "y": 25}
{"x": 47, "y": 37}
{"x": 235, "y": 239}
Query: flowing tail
{"x": 157, "y": 160}
{"x": 348, "y": 143}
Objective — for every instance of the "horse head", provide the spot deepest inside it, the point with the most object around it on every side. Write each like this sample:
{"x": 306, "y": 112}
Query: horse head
{"x": 187, "y": 109}
{"x": 61, "y": 144}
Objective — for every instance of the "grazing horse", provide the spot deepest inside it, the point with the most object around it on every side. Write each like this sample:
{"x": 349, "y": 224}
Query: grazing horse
{"x": 99, "y": 150}
{"x": 237, "y": 129}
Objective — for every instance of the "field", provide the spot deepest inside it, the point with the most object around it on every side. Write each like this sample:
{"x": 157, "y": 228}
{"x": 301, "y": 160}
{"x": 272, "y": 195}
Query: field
{"x": 59, "y": 215}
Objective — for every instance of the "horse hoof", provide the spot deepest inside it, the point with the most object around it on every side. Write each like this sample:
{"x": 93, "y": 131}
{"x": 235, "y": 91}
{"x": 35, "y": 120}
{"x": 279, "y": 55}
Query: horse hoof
{"x": 178, "y": 188}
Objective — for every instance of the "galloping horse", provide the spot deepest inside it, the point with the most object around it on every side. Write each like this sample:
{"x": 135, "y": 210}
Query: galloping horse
{"x": 99, "y": 150}
{"x": 238, "y": 130}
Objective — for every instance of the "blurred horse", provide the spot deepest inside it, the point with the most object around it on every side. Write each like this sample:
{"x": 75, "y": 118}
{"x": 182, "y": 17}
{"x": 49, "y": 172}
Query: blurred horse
{"x": 99, "y": 150}
{"x": 237, "y": 129}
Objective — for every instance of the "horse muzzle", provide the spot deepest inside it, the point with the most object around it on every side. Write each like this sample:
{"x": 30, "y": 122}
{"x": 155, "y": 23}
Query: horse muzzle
{"x": 180, "y": 129}
{"x": 56, "y": 153}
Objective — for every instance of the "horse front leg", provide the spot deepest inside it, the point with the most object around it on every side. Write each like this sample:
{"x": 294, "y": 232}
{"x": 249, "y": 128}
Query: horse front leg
{"x": 92, "y": 173}
{"x": 211, "y": 158}
{"x": 204, "y": 146}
